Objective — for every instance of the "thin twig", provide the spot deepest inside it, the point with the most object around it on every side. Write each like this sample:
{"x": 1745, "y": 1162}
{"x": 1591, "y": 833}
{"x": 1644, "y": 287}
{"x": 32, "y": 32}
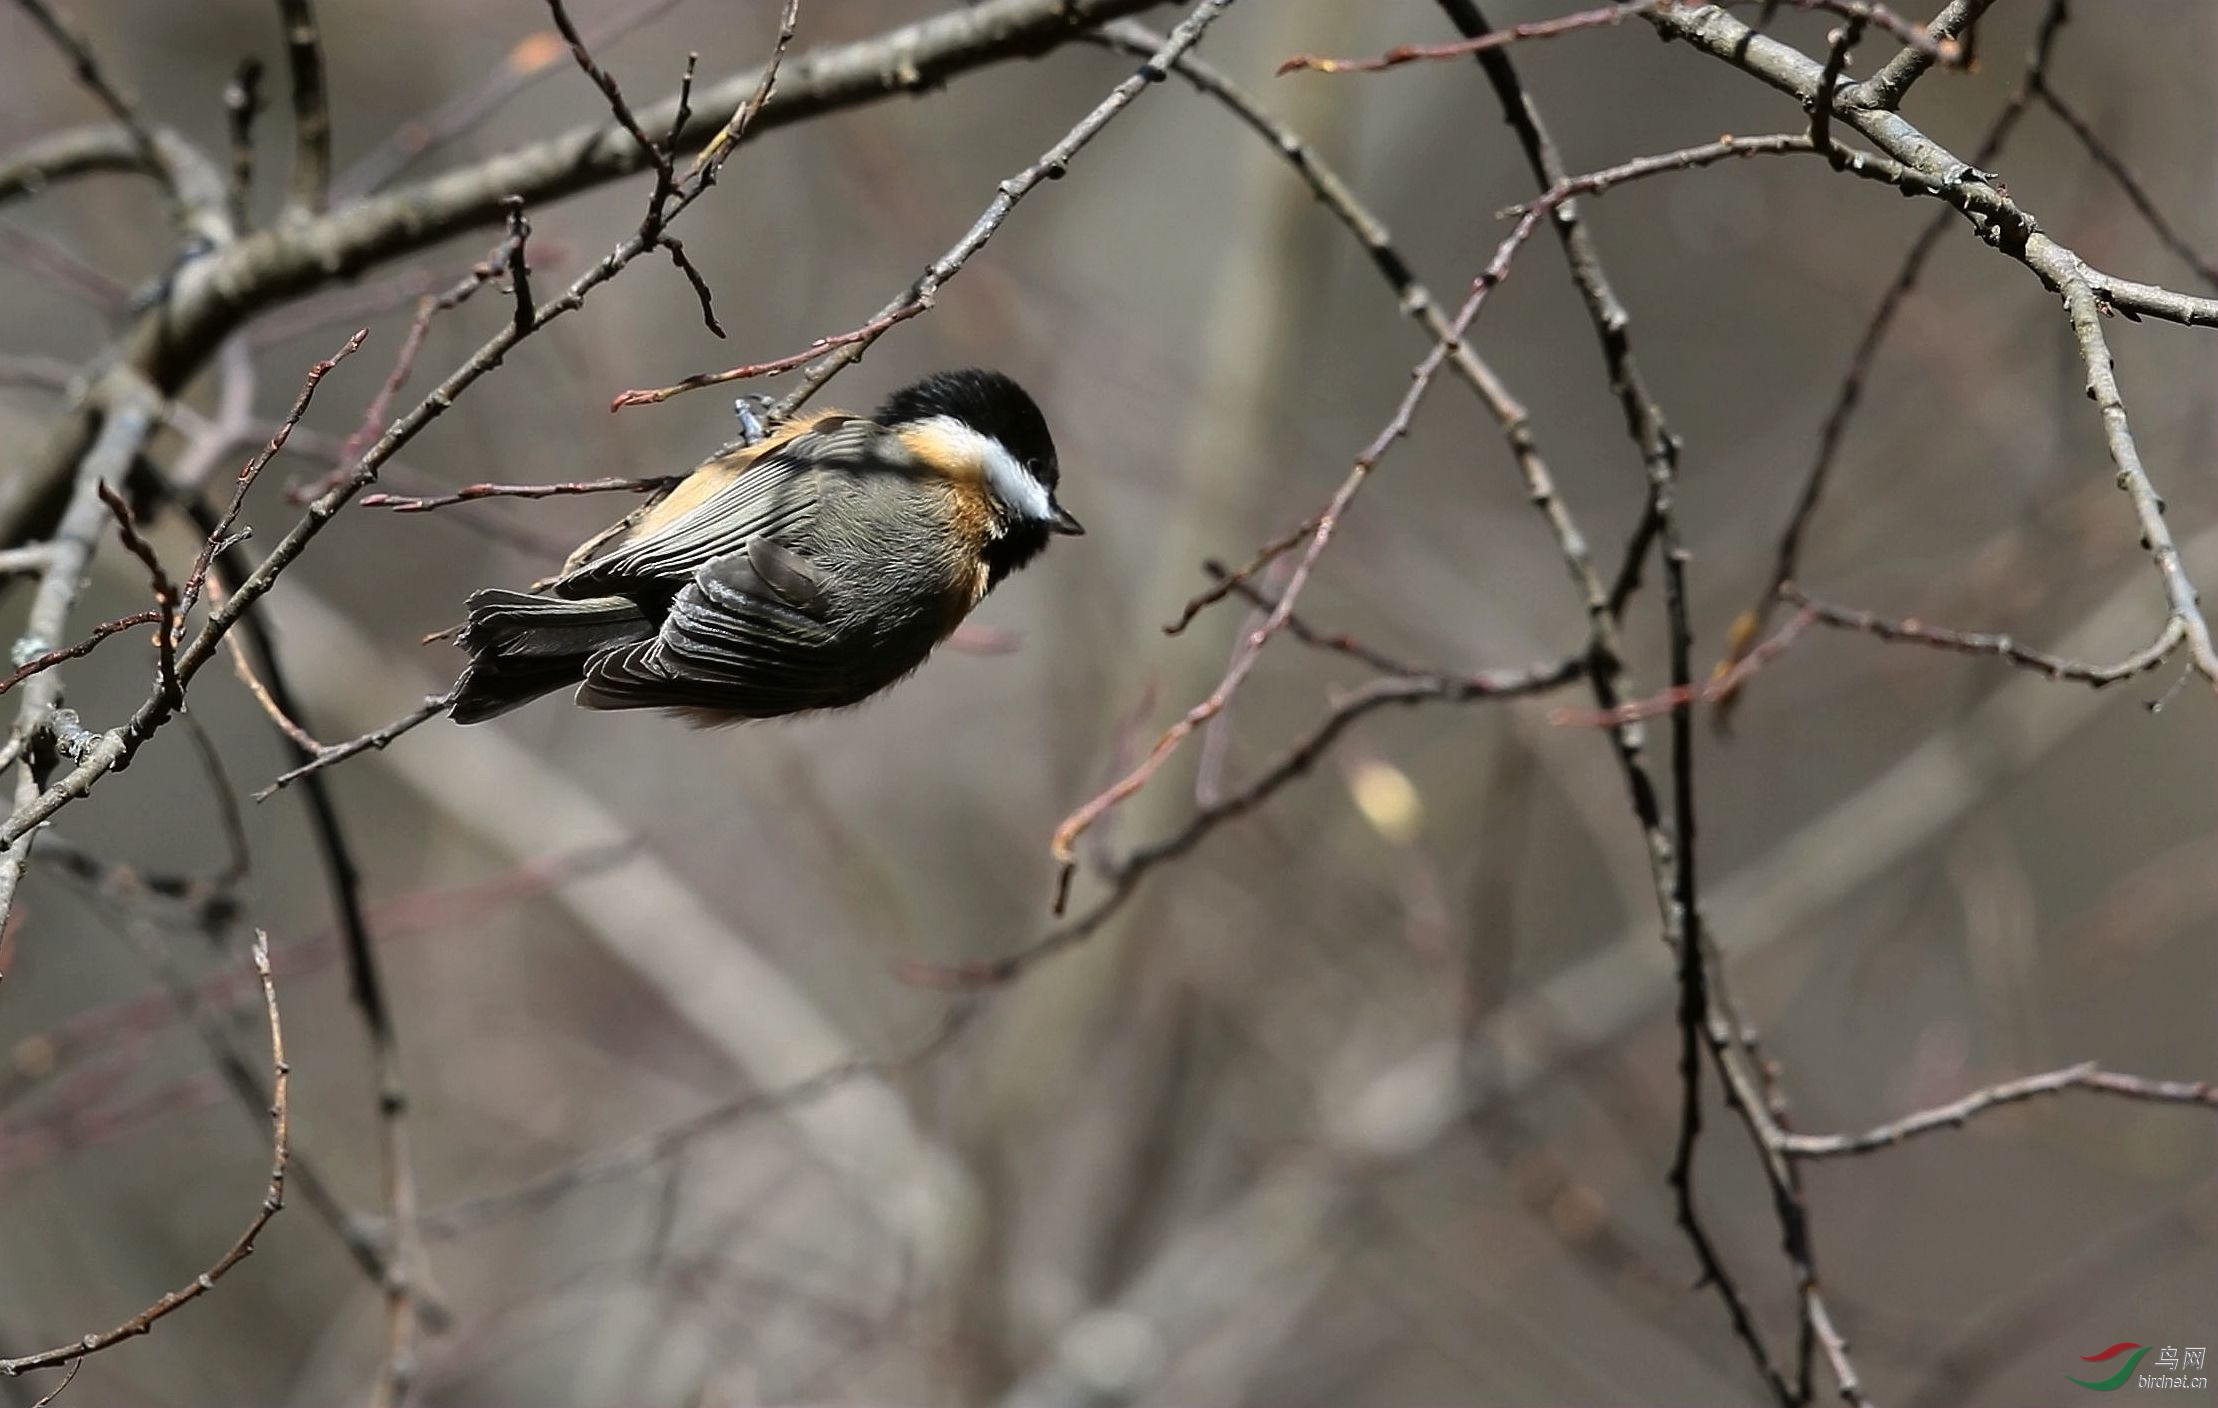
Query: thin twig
{"x": 1842, "y": 45}
{"x": 533, "y": 58}
{"x": 86, "y": 64}
{"x": 2115, "y": 167}
{"x": 1230, "y": 582}
{"x": 51, "y": 260}
{"x": 1679, "y": 696}
{"x": 1333, "y": 642}
{"x": 472, "y": 493}
{"x": 1463, "y": 48}
{"x": 670, "y": 243}
{"x": 656, "y": 156}
{"x": 253, "y": 468}
{"x": 1858, "y": 12}
{"x": 2056, "y": 667}
{"x": 644, "y": 1151}
{"x": 273, "y": 1199}
{"x": 327, "y": 754}
{"x": 40, "y": 664}
{"x": 1671, "y": 851}
{"x": 669, "y": 194}
{"x": 1788, "y": 555}
{"x": 848, "y": 348}
{"x": 719, "y": 147}
{"x": 166, "y": 600}
{"x": 1397, "y": 425}
{"x": 517, "y": 260}
{"x": 507, "y": 257}
{"x": 2086, "y": 1076}
{"x": 1292, "y": 763}
{"x": 1063, "y": 845}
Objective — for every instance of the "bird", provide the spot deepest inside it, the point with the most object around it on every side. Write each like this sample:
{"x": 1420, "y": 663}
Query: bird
{"x": 808, "y": 570}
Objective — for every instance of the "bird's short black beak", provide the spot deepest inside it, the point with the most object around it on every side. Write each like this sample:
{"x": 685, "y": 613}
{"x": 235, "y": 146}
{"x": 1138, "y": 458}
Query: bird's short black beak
{"x": 1063, "y": 523}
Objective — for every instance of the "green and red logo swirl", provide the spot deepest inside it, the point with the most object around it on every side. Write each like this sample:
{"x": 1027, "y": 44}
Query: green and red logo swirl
{"x": 2125, "y": 1372}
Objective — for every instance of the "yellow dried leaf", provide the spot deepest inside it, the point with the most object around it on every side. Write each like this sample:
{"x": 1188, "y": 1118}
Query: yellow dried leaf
{"x": 1388, "y": 800}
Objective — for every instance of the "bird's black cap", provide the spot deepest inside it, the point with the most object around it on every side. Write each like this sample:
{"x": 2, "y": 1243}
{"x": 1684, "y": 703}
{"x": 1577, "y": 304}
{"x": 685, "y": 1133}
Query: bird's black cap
{"x": 989, "y": 403}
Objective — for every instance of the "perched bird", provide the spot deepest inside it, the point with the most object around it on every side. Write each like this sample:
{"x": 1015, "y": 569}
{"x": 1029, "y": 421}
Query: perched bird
{"x": 806, "y": 571}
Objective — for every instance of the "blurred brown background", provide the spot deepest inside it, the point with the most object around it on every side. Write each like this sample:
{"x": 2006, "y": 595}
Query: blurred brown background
{"x": 1217, "y": 1155}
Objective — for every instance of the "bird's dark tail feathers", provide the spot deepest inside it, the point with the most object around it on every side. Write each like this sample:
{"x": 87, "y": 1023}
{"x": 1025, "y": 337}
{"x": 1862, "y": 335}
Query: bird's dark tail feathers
{"x": 522, "y": 646}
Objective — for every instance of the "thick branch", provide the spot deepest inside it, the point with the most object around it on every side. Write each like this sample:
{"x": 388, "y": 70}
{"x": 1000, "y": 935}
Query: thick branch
{"x": 911, "y": 59}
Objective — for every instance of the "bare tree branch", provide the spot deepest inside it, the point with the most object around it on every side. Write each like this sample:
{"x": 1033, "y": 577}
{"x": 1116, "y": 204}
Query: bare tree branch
{"x": 848, "y": 348}
{"x": 1954, "y": 1115}
{"x": 273, "y": 1199}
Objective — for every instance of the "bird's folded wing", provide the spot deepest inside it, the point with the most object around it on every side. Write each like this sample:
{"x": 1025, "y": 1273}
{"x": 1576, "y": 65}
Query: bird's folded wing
{"x": 732, "y": 643}
{"x": 718, "y": 510}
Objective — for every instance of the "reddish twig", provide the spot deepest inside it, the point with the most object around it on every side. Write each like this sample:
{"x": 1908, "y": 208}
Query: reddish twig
{"x": 1333, "y": 642}
{"x": 252, "y": 470}
{"x": 40, "y": 664}
{"x": 163, "y": 587}
{"x": 472, "y": 493}
{"x": 1724, "y": 683}
{"x": 507, "y": 257}
{"x": 1464, "y": 48}
{"x": 1229, "y": 582}
{"x": 285, "y": 722}
{"x": 866, "y": 334}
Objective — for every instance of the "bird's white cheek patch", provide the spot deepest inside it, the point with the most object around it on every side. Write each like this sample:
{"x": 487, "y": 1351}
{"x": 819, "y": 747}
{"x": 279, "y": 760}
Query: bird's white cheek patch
{"x": 1022, "y": 495}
